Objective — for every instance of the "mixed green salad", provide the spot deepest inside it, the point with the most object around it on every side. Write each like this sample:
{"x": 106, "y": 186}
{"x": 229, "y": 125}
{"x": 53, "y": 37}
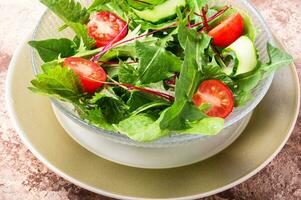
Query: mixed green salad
{"x": 149, "y": 68}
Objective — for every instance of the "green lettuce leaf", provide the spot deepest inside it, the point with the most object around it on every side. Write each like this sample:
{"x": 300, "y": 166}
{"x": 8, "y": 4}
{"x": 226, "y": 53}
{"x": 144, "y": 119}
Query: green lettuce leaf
{"x": 142, "y": 128}
{"x": 206, "y": 126}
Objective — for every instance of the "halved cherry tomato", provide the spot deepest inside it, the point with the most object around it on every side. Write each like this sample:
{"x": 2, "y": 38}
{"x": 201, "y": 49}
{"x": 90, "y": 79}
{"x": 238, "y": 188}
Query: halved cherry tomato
{"x": 218, "y": 95}
{"x": 105, "y": 26}
{"x": 228, "y": 30}
{"x": 90, "y": 74}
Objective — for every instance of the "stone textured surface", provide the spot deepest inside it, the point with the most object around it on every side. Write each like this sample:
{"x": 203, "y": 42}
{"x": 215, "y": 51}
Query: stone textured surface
{"x": 22, "y": 176}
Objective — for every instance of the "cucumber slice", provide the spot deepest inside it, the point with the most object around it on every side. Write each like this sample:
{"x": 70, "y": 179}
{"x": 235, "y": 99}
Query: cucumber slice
{"x": 244, "y": 53}
{"x": 161, "y": 12}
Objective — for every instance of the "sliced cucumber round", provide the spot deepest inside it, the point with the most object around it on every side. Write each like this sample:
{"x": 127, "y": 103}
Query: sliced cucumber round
{"x": 162, "y": 11}
{"x": 244, "y": 53}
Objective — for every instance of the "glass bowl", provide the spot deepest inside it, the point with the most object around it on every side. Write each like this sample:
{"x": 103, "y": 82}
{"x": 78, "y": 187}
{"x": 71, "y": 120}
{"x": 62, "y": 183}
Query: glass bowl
{"x": 49, "y": 24}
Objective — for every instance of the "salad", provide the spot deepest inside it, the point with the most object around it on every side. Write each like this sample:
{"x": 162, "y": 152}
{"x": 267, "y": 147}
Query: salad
{"x": 149, "y": 68}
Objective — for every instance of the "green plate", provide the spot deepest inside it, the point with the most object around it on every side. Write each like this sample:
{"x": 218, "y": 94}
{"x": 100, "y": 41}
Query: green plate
{"x": 268, "y": 131}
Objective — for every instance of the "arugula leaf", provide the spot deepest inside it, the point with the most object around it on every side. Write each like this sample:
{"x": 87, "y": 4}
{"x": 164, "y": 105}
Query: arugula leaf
{"x": 278, "y": 58}
{"x": 206, "y": 126}
{"x": 127, "y": 73}
{"x": 59, "y": 82}
{"x": 142, "y": 128}
{"x": 67, "y": 10}
{"x": 155, "y": 63}
{"x": 183, "y": 109}
{"x": 53, "y": 48}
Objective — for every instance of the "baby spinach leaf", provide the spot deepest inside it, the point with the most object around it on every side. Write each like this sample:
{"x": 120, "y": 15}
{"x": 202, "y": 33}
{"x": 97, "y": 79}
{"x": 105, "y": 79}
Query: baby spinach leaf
{"x": 53, "y": 48}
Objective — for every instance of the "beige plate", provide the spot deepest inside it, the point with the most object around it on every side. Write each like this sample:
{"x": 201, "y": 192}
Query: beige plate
{"x": 269, "y": 129}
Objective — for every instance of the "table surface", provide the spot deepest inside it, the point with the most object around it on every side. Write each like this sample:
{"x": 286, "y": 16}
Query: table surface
{"x": 22, "y": 176}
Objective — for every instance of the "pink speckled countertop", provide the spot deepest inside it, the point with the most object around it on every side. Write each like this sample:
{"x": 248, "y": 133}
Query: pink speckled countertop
{"x": 22, "y": 176}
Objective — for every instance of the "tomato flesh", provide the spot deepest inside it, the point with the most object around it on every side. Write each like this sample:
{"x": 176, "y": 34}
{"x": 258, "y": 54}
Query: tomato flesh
{"x": 218, "y": 95}
{"x": 106, "y": 26}
{"x": 228, "y": 30}
{"x": 90, "y": 74}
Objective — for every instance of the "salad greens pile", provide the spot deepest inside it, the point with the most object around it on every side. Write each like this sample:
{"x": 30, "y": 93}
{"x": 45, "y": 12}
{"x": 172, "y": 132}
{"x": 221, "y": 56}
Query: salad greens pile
{"x": 153, "y": 66}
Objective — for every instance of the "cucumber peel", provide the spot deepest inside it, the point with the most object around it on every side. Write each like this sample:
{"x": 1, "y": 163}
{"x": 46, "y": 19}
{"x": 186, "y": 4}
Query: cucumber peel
{"x": 160, "y": 12}
{"x": 244, "y": 54}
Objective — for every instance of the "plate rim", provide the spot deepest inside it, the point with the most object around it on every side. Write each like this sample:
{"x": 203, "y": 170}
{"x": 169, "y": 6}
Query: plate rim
{"x": 26, "y": 140}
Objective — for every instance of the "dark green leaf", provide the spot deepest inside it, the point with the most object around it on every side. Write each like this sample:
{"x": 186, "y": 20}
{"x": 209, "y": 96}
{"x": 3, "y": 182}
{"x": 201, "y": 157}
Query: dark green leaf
{"x": 127, "y": 73}
{"x": 82, "y": 32}
{"x": 53, "y": 48}
{"x": 96, "y": 118}
{"x": 59, "y": 82}
{"x": 67, "y": 10}
{"x": 156, "y": 63}
{"x": 183, "y": 109}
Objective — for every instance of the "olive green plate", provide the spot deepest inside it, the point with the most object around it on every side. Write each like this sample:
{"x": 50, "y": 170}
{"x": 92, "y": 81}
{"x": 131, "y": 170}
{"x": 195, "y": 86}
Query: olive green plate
{"x": 269, "y": 129}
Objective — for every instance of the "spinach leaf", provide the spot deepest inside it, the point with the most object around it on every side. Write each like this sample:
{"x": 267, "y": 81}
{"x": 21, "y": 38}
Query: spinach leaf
{"x": 155, "y": 63}
{"x": 53, "y": 48}
{"x": 59, "y": 82}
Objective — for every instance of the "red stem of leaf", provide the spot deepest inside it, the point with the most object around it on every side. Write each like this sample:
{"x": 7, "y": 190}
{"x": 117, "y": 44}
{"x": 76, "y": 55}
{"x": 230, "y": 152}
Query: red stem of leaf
{"x": 204, "y": 12}
{"x": 168, "y": 97}
{"x": 109, "y": 45}
{"x": 213, "y": 17}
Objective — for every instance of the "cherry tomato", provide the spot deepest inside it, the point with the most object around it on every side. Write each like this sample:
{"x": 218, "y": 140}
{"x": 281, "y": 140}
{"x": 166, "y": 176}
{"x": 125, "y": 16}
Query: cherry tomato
{"x": 105, "y": 26}
{"x": 218, "y": 95}
{"x": 228, "y": 30}
{"x": 90, "y": 74}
